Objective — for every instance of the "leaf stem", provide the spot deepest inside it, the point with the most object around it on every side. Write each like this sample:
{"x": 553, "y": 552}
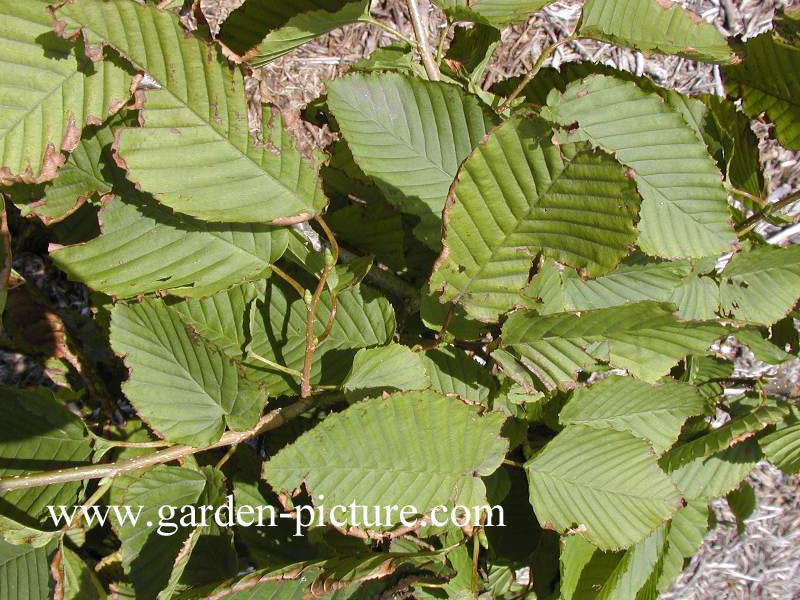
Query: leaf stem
{"x": 442, "y": 40}
{"x": 532, "y": 73}
{"x": 749, "y": 224}
{"x": 476, "y": 549}
{"x": 513, "y": 463}
{"x": 288, "y": 279}
{"x": 274, "y": 365}
{"x": 390, "y": 30}
{"x": 311, "y": 341}
{"x": 268, "y": 422}
{"x": 226, "y": 457}
{"x": 101, "y": 491}
{"x": 424, "y": 49}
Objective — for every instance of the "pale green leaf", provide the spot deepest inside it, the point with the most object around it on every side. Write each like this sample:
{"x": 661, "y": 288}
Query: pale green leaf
{"x": 278, "y": 328}
{"x": 220, "y": 318}
{"x": 185, "y": 389}
{"x": 645, "y": 338}
{"x": 37, "y": 433}
{"x": 166, "y": 251}
{"x": 685, "y": 210}
{"x": 409, "y": 135}
{"x": 493, "y": 12}
{"x": 519, "y": 194}
{"x": 697, "y": 298}
{"x": 763, "y": 349}
{"x": 764, "y": 82}
{"x": 199, "y": 114}
{"x": 655, "y": 413}
{"x": 733, "y": 432}
{"x": 655, "y": 26}
{"x": 603, "y": 482}
{"x": 742, "y": 502}
{"x": 584, "y": 568}
{"x": 764, "y": 273}
{"x": 782, "y": 446}
{"x": 263, "y": 30}
{"x": 636, "y": 568}
{"x": 684, "y": 538}
{"x": 716, "y": 475}
{"x": 388, "y": 368}
{"x": 453, "y": 371}
{"x": 89, "y": 170}
{"x": 391, "y": 451}
{"x": 48, "y": 94}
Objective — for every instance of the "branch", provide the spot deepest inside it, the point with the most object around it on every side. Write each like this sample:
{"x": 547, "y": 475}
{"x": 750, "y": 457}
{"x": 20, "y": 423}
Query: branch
{"x": 532, "y": 73}
{"x": 422, "y": 38}
{"x": 271, "y": 420}
{"x": 311, "y": 341}
{"x": 749, "y": 224}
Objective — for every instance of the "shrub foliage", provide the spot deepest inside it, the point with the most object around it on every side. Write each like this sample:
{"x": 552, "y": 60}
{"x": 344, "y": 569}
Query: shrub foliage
{"x": 511, "y": 296}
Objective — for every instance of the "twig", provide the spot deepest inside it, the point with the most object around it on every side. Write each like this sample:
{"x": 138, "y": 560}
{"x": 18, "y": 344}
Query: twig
{"x": 442, "y": 40}
{"x": 389, "y": 30}
{"x": 424, "y": 48}
{"x": 288, "y": 279}
{"x": 532, "y": 73}
{"x": 749, "y": 224}
{"x": 268, "y": 422}
{"x": 119, "y": 444}
{"x": 311, "y": 341}
{"x": 440, "y": 335}
{"x": 5, "y": 247}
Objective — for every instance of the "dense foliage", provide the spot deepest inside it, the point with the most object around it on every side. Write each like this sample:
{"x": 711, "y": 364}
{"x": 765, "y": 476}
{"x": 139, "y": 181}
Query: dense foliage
{"x": 510, "y": 296}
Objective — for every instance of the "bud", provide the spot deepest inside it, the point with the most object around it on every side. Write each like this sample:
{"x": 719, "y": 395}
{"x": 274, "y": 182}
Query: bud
{"x": 329, "y": 260}
{"x": 307, "y": 297}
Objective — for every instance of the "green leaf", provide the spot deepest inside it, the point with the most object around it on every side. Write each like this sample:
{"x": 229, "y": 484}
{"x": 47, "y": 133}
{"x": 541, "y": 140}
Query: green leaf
{"x": 603, "y": 483}
{"x": 584, "y": 568}
{"x": 733, "y": 432}
{"x": 684, "y": 538}
{"x": 492, "y": 12}
{"x": 654, "y": 413}
{"x": 37, "y": 432}
{"x": 763, "y": 349}
{"x": 315, "y": 577}
{"x": 685, "y": 209}
{"x": 201, "y": 105}
{"x": 654, "y": 26}
{"x": 220, "y": 319}
{"x": 278, "y": 328}
{"x": 48, "y": 93}
{"x": 519, "y": 194}
{"x": 148, "y": 556}
{"x": 408, "y": 134}
{"x": 697, "y": 298}
{"x": 636, "y": 568}
{"x": 742, "y": 502}
{"x": 24, "y": 572}
{"x": 390, "y": 451}
{"x": 75, "y": 580}
{"x": 738, "y": 146}
{"x": 433, "y": 314}
{"x": 166, "y": 251}
{"x": 88, "y": 171}
{"x": 349, "y": 275}
{"x": 766, "y": 272}
{"x": 782, "y": 446}
{"x": 262, "y": 30}
{"x": 645, "y": 338}
{"x": 764, "y": 82}
{"x": 454, "y": 372}
{"x": 714, "y": 476}
{"x": 206, "y": 391}
{"x": 389, "y": 368}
